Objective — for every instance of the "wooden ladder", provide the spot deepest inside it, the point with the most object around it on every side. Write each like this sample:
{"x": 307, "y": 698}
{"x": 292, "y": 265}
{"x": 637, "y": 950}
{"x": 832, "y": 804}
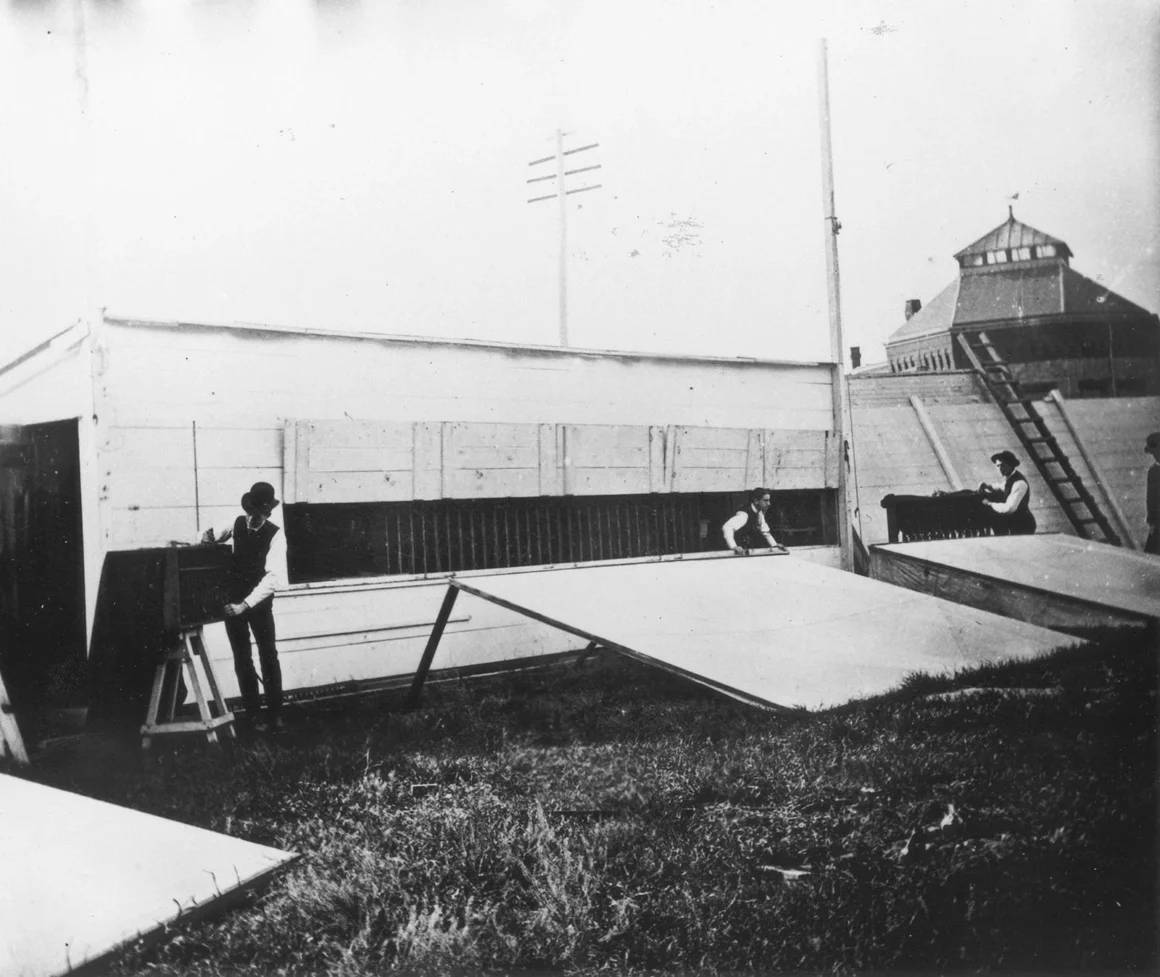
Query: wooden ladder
{"x": 1080, "y": 506}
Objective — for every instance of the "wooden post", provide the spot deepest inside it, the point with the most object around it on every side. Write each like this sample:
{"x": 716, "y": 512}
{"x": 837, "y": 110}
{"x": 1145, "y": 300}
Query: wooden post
{"x": 432, "y": 644}
{"x": 838, "y": 380}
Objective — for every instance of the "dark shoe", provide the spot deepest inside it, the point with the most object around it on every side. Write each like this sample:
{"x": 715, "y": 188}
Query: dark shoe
{"x": 260, "y": 726}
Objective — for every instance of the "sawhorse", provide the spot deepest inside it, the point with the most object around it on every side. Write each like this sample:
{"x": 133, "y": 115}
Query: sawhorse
{"x": 167, "y": 679}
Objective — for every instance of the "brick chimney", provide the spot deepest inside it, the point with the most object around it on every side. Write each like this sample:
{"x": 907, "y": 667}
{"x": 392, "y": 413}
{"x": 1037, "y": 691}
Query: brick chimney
{"x": 855, "y": 357}
{"x": 912, "y": 306}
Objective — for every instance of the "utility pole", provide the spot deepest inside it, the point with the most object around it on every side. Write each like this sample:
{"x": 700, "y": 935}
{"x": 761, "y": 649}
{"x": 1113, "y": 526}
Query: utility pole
{"x": 838, "y": 385}
{"x": 562, "y": 191}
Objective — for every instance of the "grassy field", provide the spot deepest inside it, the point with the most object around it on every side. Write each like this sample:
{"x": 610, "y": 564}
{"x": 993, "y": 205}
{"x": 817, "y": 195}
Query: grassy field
{"x": 602, "y": 816}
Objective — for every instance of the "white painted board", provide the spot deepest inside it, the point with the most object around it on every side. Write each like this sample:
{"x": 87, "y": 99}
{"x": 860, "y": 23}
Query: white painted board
{"x": 774, "y": 630}
{"x": 1078, "y": 568}
{"x": 82, "y": 877}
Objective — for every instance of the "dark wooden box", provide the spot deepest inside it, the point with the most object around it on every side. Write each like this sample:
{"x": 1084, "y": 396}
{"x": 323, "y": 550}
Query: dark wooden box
{"x": 952, "y": 515}
{"x": 195, "y": 585}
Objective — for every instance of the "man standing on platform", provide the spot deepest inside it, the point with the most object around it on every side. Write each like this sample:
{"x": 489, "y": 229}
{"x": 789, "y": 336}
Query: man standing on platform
{"x": 748, "y": 530}
{"x": 258, "y": 570}
{"x": 1152, "y": 447}
{"x": 1009, "y": 500}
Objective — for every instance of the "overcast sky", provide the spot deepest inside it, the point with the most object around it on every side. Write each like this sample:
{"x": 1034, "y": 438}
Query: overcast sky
{"x": 361, "y": 164}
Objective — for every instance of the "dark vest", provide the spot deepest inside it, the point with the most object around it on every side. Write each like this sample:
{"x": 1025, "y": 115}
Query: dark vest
{"x": 249, "y": 562}
{"x": 750, "y": 536}
{"x": 1021, "y": 521}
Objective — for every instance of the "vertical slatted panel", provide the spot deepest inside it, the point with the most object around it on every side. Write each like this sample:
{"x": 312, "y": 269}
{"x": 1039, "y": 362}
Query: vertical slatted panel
{"x": 437, "y": 536}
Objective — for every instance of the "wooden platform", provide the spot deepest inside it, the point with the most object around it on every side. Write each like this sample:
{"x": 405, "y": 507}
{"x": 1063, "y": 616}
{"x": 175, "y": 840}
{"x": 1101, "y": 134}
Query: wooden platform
{"x": 772, "y": 630}
{"x": 82, "y": 877}
{"x": 1059, "y": 582}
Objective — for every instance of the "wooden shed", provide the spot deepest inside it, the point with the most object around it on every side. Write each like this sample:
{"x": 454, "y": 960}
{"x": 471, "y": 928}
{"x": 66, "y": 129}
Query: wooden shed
{"x": 399, "y": 460}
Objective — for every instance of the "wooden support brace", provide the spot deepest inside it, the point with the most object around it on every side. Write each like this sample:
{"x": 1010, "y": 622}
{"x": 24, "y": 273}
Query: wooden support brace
{"x": 10, "y": 739}
{"x": 936, "y": 443}
{"x": 432, "y": 644}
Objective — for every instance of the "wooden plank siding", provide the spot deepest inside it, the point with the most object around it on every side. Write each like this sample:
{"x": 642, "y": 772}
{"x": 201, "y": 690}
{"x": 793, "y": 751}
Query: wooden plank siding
{"x": 971, "y": 433}
{"x": 217, "y": 375}
{"x": 894, "y": 390}
{"x": 345, "y": 419}
{"x": 894, "y": 455}
{"x": 524, "y": 460}
{"x": 1113, "y": 431}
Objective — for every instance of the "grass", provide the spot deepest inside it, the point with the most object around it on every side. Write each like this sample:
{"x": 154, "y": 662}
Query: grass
{"x": 605, "y": 817}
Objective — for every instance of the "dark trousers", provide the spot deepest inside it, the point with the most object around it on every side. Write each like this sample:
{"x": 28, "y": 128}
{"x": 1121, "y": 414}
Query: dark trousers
{"x": 1015, "y": 524}
{"x": 260, "y": 620}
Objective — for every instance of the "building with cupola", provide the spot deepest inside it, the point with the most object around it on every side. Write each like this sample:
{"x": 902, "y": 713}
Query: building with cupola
{"x": 1055, "y": 328}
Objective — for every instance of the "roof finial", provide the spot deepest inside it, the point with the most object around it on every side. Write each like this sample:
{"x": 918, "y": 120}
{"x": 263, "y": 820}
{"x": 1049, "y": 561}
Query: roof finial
{"x": 1011, "y": 212}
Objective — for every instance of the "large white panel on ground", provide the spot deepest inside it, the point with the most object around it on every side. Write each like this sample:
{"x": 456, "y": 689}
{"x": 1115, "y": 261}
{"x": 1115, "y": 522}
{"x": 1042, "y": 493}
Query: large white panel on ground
{"x": 773, "y": 630}
{"x": 82, "y": 877}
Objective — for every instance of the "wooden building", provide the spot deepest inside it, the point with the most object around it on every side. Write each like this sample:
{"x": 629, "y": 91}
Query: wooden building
{"x": 399, "y": 461}
{"x": 1055, "y": 328}
{"x": 918, "y": 433}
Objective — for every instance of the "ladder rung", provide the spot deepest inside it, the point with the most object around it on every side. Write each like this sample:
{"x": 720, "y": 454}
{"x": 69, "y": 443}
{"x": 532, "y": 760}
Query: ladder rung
{"x": 1047, "y": 440}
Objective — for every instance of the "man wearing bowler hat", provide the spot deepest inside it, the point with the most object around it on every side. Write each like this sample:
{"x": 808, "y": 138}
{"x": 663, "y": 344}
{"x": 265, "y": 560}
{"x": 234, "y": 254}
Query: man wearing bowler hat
{"x": 258, "y": 569}
{"x": 1010, "y": 499}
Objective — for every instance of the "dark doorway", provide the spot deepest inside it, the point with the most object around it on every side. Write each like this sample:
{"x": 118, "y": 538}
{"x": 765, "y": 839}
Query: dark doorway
{"x": 42, "y": 589}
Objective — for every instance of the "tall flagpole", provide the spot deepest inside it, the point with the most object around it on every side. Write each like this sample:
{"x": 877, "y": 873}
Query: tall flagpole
{"x": 837, "y": 356}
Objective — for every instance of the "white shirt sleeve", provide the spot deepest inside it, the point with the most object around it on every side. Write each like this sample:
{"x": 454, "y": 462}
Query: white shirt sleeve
{"x": 1018, "y": 492}
{"x": 731, "y": 526}
{"x": 275, "y": 576}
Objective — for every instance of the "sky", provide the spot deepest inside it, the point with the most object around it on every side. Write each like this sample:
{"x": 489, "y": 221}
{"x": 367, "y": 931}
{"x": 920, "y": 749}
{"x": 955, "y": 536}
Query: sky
{"x": 362, "y": 164}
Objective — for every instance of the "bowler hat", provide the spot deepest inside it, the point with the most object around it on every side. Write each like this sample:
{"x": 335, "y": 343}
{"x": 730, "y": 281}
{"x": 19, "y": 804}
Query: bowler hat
{"x": 260, "y": 496}
{"x": 1005, "y": 456}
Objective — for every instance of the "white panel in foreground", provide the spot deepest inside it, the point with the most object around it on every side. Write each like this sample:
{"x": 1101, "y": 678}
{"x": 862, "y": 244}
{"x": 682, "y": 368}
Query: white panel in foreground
{"x": 774, "y": 630}
{"x": 82, "y": 877}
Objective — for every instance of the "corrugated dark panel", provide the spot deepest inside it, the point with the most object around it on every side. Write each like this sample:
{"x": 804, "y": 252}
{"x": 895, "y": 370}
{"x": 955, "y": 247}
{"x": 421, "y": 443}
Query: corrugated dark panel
{"x": 328, "y": 542}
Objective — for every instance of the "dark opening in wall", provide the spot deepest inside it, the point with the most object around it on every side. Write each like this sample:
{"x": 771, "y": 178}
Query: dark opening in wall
{"x": 332, "y": 542}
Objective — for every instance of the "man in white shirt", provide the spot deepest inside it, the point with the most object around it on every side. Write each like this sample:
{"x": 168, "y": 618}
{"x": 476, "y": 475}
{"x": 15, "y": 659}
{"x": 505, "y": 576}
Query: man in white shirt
{"x": 748, "y": 530}
{"x": 258, "y": 570}
{"x": 1009, "y": 500}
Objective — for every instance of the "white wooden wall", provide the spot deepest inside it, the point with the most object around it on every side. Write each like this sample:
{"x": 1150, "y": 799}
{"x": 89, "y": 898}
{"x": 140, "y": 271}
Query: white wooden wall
{"x": 372, "y": 461}
{"x": 328, "y": 419}
{"x": 324, "y": 418}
